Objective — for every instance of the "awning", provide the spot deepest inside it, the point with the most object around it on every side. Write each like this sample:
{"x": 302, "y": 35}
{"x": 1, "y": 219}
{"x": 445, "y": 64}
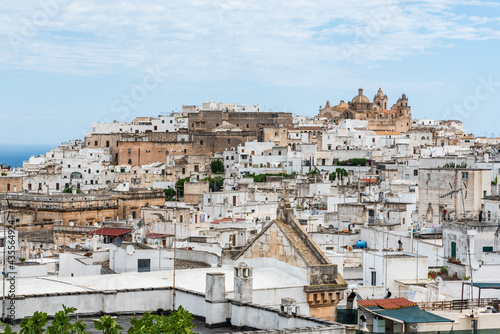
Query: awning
{"x": 485, "y": 285}
{"x": 412, "y": 314}
{"x": 113, "y": 232}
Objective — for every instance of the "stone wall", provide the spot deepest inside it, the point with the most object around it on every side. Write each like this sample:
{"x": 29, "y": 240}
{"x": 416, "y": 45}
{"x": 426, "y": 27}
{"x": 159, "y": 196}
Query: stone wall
{"x": 11, "y": 184}
{"x": 274, "y": 244}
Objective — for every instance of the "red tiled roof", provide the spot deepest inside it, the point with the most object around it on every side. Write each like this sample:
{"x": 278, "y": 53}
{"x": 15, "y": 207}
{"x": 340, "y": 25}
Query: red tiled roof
{"x": 114, "y": 232}
{"x": 388, "y": 304}
{"x": 218, "y": 221}
{"x": 371, "y": 180}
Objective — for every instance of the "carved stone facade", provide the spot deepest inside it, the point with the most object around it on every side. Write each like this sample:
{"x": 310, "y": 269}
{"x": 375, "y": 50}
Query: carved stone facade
{"x": 284, "y": 239}
{"x": 379, "y": 117}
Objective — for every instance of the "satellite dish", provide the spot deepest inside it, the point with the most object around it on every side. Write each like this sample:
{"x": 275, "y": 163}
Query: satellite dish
{"x": 130, "y": 250}
{"x": 135, "y": 226}
{"x": 439, "y": 280}
{"x": 474, "y": 264}
{"x": 118, "y": 241}
{"x": 71, "y": 224}
{"x": 222, "y": 244}
{"x": 96, "y": 224}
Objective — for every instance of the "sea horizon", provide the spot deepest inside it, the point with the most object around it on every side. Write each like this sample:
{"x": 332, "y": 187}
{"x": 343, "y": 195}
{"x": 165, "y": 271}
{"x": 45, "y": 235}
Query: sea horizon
{"x": 14, "y": 155}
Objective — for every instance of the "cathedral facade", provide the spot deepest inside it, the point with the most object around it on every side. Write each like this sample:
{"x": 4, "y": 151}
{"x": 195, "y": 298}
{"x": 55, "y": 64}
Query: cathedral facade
{"x": 377, "y": 113}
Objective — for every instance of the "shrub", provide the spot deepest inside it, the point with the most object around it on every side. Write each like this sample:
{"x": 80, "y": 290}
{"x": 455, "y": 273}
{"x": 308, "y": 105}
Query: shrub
{"x": 217, "y": 166}
{"x": 178, "y": 322}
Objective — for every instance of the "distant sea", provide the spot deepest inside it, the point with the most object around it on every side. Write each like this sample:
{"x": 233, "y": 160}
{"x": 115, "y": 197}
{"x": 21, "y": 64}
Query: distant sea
{"x": 14, "y": 154}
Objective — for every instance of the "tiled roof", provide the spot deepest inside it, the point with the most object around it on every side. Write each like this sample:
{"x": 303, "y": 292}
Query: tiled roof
{"x": 388, "y": 304}
{"x": 218, "y": 221}
{"x": 111, "y": 231}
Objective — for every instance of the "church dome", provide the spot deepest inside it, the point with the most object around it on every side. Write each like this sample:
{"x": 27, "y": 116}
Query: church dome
{"x": 360, "y": 98}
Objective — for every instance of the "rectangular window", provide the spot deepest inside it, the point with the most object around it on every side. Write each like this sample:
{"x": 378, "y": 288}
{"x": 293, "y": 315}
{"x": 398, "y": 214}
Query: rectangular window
{"x": 201, "y": 142}
{"x": 428, "y": 177}
{"x": 39, "y": 186}
{"x": 8, "y": 186}
{"x": 95, "y": 143}
{"x": 487, "y": 248}
{"x": 57, "y": 186}
{"x": 229, "y": 141}
{"x": 465, "y": 175}
{"x": 415, "y": 172}
{"x": 143, "y": 265}
{"x": 374, "y": 278}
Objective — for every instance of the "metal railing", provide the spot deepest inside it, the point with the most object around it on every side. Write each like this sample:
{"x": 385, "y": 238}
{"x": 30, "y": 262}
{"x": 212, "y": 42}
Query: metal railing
{"x": 458, "y": 304}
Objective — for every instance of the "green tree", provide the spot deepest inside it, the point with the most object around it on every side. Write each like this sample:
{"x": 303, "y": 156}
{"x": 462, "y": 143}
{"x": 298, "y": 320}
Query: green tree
{"x": 62, "y": 323}
{"x": 169, "y": 193}
{"x": 217, "y": 166}
{"x": 107, "y": 325}
{"x": 179, "y": 185}
{"x": 341, "y": 173}
{"x": 215, "y": 183}
{"x": 34, "y": 324}
{"x": 178, "y": 322}
{"x": 313, "y": 172}
{"x": 357, "y": 162}
{"x": 70, "y": 190}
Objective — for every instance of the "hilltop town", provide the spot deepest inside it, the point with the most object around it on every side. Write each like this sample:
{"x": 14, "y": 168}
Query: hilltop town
{"x": 360, "y": 217}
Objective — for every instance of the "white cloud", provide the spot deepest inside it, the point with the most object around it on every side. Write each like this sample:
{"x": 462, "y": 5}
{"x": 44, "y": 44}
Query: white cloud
{"x": 206, "y": 39}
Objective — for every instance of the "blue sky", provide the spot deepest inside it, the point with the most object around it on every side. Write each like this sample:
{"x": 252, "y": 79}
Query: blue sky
{"x": 64, "y": 64}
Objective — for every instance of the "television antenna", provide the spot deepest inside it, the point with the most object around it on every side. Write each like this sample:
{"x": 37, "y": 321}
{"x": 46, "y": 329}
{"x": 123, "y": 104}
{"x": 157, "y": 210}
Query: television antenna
{"x": 454, "y": 191}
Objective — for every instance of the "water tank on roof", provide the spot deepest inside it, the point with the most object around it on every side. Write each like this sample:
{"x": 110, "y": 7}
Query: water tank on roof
{"x": 360, "y": 244}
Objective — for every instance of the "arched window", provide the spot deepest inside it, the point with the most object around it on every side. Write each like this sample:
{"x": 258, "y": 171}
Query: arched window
{"x": 75, "y": 175}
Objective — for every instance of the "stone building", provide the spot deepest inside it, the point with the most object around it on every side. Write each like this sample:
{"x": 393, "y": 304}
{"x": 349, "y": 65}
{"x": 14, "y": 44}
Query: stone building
{"x": 379, "y": 117}
{"x": 65, "y": 218}
{"x": 11, "y": 183}
{"x": 207, "y": 120}
{"x": 285, "y": 240}
{"x": 451, "y": 193}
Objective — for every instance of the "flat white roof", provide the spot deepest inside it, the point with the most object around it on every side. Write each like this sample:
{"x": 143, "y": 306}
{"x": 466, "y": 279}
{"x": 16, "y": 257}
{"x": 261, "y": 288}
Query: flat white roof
{"x": 191, "y": 279}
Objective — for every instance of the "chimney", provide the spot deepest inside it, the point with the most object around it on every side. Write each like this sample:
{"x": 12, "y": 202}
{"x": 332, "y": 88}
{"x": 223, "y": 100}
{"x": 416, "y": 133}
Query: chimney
{"x": 360, "y": 91}
{"x": 243, "y": 283}
{"x": 216, "y": 310}
{"x": 289, "y": 307}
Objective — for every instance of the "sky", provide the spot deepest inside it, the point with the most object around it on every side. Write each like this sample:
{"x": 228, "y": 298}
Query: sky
{"x": 65, "y": 64}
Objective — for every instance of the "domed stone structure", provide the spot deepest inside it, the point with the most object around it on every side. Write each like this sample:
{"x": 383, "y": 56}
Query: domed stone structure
{"x": 360, "y": 98}
{"x": 377, "y": 113}
{"x": 360, "y": 102}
